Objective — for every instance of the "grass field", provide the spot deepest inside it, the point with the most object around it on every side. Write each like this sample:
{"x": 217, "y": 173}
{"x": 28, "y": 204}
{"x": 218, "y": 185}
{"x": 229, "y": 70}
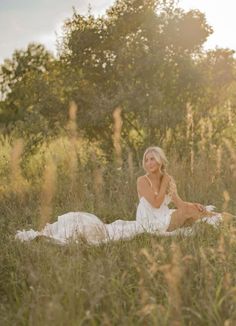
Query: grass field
{"x": 148, "y": 280}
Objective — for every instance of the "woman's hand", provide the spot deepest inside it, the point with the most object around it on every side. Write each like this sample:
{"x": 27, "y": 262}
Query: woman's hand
{"x": 200, "y": 207}
{"x": 165, "y": 179}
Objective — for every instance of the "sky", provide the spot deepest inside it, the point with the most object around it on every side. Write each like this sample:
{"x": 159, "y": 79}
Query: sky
{"x": 24, "y": 21}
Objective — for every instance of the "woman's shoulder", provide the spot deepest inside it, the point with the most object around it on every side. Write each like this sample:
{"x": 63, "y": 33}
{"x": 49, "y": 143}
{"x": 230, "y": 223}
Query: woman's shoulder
{"x": 143, "y": 181}
{"x": 141, "y": 178}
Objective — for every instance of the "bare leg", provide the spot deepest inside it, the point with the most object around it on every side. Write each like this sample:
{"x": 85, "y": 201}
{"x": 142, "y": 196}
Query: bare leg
{"x": 186, "y": 216}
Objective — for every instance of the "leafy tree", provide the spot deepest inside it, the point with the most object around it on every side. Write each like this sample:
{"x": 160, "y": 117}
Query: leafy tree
{"x": 32, "y": 95}
{"x": 144, "y": 56}
{"x": 139, "y": 56}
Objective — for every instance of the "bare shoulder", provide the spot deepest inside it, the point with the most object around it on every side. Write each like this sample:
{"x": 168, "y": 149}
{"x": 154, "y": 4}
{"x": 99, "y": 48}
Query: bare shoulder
{"x": 142, "y": 182}
{"x": 141, "y": 179}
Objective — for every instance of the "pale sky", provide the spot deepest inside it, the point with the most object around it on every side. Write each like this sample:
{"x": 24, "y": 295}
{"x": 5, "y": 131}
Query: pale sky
{"x": 24, "y": 21}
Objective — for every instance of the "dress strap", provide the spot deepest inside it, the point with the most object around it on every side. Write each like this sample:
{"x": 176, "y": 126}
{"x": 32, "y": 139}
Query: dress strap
{"x": 149, "y": 180}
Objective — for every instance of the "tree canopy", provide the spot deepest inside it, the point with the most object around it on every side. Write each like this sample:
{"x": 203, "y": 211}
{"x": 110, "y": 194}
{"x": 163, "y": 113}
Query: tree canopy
{"x": 143, "y": 56}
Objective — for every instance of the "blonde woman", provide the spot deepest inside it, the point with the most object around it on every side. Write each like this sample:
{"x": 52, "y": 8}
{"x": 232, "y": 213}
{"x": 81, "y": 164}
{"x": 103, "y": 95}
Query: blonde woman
{"x": 156, "y": 189}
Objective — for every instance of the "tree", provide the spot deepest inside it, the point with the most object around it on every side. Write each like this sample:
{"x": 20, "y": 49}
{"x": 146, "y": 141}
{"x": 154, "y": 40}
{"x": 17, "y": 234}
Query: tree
{"x": 139, "y": 56}
{"x": 32, "y": 94}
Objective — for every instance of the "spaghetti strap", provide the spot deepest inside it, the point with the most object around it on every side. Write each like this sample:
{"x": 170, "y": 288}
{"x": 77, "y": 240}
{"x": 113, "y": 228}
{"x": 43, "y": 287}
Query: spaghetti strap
{"x": 149, "y": 180}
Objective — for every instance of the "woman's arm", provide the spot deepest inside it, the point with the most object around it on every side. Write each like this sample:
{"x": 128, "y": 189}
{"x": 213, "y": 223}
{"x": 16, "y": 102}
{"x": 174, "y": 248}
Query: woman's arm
{"x": 178, "y": 201}
{"x": 147, "y": 192}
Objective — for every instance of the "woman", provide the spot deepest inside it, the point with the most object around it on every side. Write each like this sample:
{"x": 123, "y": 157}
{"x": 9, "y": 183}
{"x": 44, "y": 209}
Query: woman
{"x": 156, "y": 189}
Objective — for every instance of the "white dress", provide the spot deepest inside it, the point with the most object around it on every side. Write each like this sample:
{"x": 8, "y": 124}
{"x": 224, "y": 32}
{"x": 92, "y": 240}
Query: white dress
{"x": 72, "y": 225}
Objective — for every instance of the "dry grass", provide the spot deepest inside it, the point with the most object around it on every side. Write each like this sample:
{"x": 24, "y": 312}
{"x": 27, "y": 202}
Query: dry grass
{"x": 145, "y": 281}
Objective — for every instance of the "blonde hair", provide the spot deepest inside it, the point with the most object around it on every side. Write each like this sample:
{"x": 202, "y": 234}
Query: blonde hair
{"x": 159, "y": 155}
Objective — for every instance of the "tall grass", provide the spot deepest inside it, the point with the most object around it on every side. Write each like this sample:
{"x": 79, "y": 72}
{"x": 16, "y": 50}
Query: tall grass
{"x": 148, "y": 280}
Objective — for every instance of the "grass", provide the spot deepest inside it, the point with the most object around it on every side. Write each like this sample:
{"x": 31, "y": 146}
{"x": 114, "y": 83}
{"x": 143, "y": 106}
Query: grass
{"x": 148, "y": 280}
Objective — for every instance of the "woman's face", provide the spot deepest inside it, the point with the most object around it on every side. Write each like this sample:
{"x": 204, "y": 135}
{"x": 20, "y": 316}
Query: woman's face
{"x": 151, "y": 163}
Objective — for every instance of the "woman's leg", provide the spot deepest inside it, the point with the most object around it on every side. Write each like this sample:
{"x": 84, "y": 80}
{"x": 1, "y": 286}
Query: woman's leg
{"x": 186, "y": 216}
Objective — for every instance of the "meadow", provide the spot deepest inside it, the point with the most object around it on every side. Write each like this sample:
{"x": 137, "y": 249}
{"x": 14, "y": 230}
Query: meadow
{"x": 135, "y": 77}
{"x": 148, "y": 280}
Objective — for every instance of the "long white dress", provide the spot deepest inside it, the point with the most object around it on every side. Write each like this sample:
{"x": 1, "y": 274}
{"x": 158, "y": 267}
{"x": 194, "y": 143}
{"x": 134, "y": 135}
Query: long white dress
{"x": 73, "y": 225}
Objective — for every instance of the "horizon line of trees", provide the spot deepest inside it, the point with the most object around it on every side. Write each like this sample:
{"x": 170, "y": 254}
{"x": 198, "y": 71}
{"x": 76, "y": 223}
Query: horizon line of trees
{"x": 144, "y": 57}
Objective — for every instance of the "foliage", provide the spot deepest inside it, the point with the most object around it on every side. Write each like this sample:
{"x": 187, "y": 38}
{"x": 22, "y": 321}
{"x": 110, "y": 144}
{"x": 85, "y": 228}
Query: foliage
{"x": 143, "y": 57}
{"x": 147, "y": 280}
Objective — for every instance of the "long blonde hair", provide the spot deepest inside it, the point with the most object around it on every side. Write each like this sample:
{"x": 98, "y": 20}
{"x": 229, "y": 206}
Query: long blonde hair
{"x": 159, "y": 155}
